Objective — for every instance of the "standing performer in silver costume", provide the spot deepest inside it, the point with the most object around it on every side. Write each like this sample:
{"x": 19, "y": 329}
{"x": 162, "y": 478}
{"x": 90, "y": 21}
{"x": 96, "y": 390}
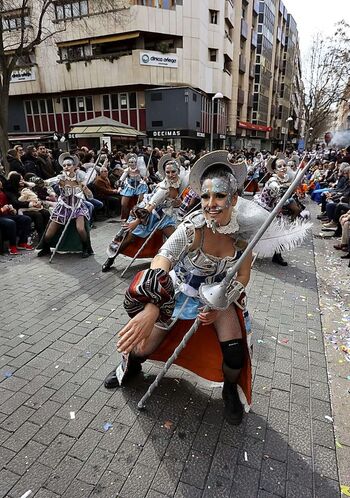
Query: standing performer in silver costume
{"x": 155, "y": 212}
{"x": 70, "y": 206}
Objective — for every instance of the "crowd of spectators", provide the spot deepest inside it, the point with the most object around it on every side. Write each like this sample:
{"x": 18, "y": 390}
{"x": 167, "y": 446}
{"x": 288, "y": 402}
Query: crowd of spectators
{"x": 329, "y": 186}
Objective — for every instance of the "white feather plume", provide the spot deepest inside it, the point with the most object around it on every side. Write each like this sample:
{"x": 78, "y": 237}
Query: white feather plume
{"x": 282, "y": 236}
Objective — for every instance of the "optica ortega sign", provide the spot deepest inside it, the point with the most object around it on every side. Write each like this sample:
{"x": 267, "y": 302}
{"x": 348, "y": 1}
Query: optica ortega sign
{"x": 158, "y": 59}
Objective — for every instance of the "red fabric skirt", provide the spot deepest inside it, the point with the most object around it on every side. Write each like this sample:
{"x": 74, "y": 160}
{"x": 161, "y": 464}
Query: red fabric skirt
{"x": 149, "y": 251}
{"x": 202, "y": 354}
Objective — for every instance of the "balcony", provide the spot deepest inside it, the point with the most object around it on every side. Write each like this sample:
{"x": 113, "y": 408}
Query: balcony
{"x": 251, "y": 71}
{"x": 256, "y": 7}
{"x": 228, "y": 47}
{"x": 242, "y": 64}
{"x": 229, "y": 13}
{"x": 240, "y": 96}
{"x": 254, "y": 41}
{"x": 250, "y": 101}
{"x": 244, "y": 29}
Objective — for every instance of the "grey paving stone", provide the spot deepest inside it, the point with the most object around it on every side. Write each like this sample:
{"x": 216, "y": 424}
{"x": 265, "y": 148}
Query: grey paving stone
{"x": 326, "y": 488}
{"x": 33, "y": 480}
{"x": 138, "y": 482}
{"x": 273, "y": 477}
{"x": 7, "y": 480}
{"x": 50, "y": 430}
{"x": 108, "y": 486}
{"x": 78, "y": 489}
{"x": 295, "y": 490}
{"x": 324, "y": 433}
{"x": 26, "y": 457}
{"x": 125, "y": 458}
{"x": 21, "y": 437}
{"x": 15, "y": 401}
{"x": 299, "y": 469}
{"x": 77, "y": 426}
{"x": 45, "y": 493}
{"x": 95, "y": 466}
{"x": 325, "y": 462}
{"x": 61, "y": 477}
{"x": 196, "y": 469}
{"x": 167, "y": 476}
{"x": 217, "y": 487}
{"x": 278, "y": 420}
{"x": 57, "y": 450}
{"x": 245, "y": 482}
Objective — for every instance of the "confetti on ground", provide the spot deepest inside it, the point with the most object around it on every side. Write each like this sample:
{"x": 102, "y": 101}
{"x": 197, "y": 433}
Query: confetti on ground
{"x": 245, "y": 456}
{"x": 27, "y": 493}
{"x": 168, "y": 424}
{"x": 100, "y": 318}
{"x": 274, "y": 338}
{"x": 345, "y": 490}
{"x": 107, "y": 426}
{"x": 53, "y": 309}
{"x": 284, "y": 341}
{"x": 21, "y": 335}
{"x": 338, "y": 445}
{"x": 72, "y": 415}
{"x": 7, "y": 374}
{"x": 260, "y": 341}
{"x": 327, "y": 417}
{"x": 87, "y": 321}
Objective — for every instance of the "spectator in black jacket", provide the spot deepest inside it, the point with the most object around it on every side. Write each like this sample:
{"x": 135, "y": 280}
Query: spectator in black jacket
{"x": 30, "y": 161}
{"x": 15, "y": 163}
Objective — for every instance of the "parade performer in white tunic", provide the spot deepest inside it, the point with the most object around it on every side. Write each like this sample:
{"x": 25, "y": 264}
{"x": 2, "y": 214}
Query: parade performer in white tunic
{"x": 157, "y": 213}
{"x": 70, "y": 206}
{"x": 133, "y": 184}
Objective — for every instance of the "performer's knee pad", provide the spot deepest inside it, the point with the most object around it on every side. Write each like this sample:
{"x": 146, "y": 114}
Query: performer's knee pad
{"x": 233, "y": 353}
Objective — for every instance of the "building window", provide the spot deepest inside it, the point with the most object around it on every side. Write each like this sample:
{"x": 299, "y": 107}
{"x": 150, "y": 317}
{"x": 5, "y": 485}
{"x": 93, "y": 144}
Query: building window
{"x": 159, "y": 4}
{"x": 77, "y": 104}
{"x": 14, "y": 19}
{"x": 194, "y": 97}
{"x": 117, "y": 101}
{"x": 213, "y": 16}
{"x": 75, "y": 53}
{"x": 71, "y": 10}
{"x": 40, "y": 115}
{"x": 213, "y": 53}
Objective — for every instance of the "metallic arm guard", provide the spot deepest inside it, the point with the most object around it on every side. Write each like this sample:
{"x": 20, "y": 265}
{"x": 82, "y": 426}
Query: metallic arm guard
{"x": 179, "y": 243}
{"x": 219, "y": 297}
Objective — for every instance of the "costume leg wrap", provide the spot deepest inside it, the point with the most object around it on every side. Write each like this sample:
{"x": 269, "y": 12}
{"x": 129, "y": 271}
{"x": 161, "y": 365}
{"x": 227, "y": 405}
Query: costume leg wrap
{"x": 233, "y": 358}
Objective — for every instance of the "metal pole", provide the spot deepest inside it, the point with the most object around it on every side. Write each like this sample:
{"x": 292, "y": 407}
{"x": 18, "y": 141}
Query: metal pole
{"x": 143, "y": 245}
{"x": 61, "y": 236}
{"x": 228, "y": 277}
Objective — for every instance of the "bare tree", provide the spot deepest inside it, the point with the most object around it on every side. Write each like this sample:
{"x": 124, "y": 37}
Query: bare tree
{"x": 326, "y": 75}
{"x": 26, "y": 24}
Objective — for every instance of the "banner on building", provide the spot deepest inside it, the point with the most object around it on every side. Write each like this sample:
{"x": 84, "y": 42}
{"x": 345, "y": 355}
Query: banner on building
{"x": 158, "y": 59}
{"x": 23, "y": 74}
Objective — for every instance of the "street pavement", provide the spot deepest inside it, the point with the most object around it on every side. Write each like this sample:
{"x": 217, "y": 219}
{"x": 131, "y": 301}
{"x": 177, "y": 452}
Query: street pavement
{"x": 62, "y": 434}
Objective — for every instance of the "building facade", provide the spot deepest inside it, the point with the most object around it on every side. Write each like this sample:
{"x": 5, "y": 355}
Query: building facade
{"x": 176, "y": 72}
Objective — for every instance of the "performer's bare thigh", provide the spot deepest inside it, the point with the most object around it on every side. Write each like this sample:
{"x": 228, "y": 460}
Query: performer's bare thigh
{"x": 168, "y": 231}
{"x": 52, "y": 229}
{"x": 227, "y": 325}
{"x": 145, "y": 348}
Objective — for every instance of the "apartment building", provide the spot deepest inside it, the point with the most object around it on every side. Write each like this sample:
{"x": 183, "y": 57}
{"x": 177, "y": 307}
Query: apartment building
{"x": 170, "y": 70}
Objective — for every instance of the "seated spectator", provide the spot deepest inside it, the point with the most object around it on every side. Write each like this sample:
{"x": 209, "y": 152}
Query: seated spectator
{"x": 39, "y": 215}
{"x": 45, "y": 164}
{"x": 45, "y": 194}
{"x": 14, "y": 225}
{"x": 104, "y": 190}
{"x": 30, "y": 161}
{"x": 338, "y": 190}
{"x": 14, "y": 161}
{"x": 345, "y": 239}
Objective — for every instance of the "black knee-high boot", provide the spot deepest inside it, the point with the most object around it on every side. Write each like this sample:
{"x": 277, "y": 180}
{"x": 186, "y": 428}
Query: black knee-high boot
{"x": 87, "y": 249}
{"x": 126, "y": 370}
{"x": 45, "y": 248}
{"x": 233, "y": 354}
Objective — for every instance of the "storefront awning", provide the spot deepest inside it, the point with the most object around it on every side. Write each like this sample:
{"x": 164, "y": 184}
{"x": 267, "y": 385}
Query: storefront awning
{"x": 26, "y": 138}
{"x": 103, "y": 126}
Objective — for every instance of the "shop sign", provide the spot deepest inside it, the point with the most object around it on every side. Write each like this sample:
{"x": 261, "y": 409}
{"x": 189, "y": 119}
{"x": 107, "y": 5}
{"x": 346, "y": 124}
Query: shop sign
{"x": 200, "y": 134}
{"x": 166, "y": 133}
{"x": 252, "y": 126}
{"x": 23, "y": 74}
{"x": 158, "y": 59}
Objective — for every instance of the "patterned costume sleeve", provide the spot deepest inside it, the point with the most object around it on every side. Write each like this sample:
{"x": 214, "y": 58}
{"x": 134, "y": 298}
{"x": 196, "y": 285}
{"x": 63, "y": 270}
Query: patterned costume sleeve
{"x": 150, "y": 286}
{"x": 179, "y": 243}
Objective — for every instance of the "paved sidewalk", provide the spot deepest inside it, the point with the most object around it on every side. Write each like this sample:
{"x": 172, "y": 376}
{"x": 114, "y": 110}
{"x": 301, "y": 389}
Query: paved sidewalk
{"x": 63, "y": 435}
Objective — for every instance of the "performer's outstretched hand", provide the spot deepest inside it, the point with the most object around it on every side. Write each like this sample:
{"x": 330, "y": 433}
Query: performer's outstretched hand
{"x": 131, "y": 225}
{"x": 208, "y": 317}
{"x": 138, "y": 329}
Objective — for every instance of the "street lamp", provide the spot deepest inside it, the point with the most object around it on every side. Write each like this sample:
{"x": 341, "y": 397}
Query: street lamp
{"x": 217, "y": 96}
{"x": 288, "y": 120}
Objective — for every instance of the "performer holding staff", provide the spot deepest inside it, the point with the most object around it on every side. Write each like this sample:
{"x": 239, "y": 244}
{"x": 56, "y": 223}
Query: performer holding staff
{"x": 70, "y": 206}
{"x": 165, "y": 298}
{"x": 155, "y": 213}
{"x": 133, "y": 185}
